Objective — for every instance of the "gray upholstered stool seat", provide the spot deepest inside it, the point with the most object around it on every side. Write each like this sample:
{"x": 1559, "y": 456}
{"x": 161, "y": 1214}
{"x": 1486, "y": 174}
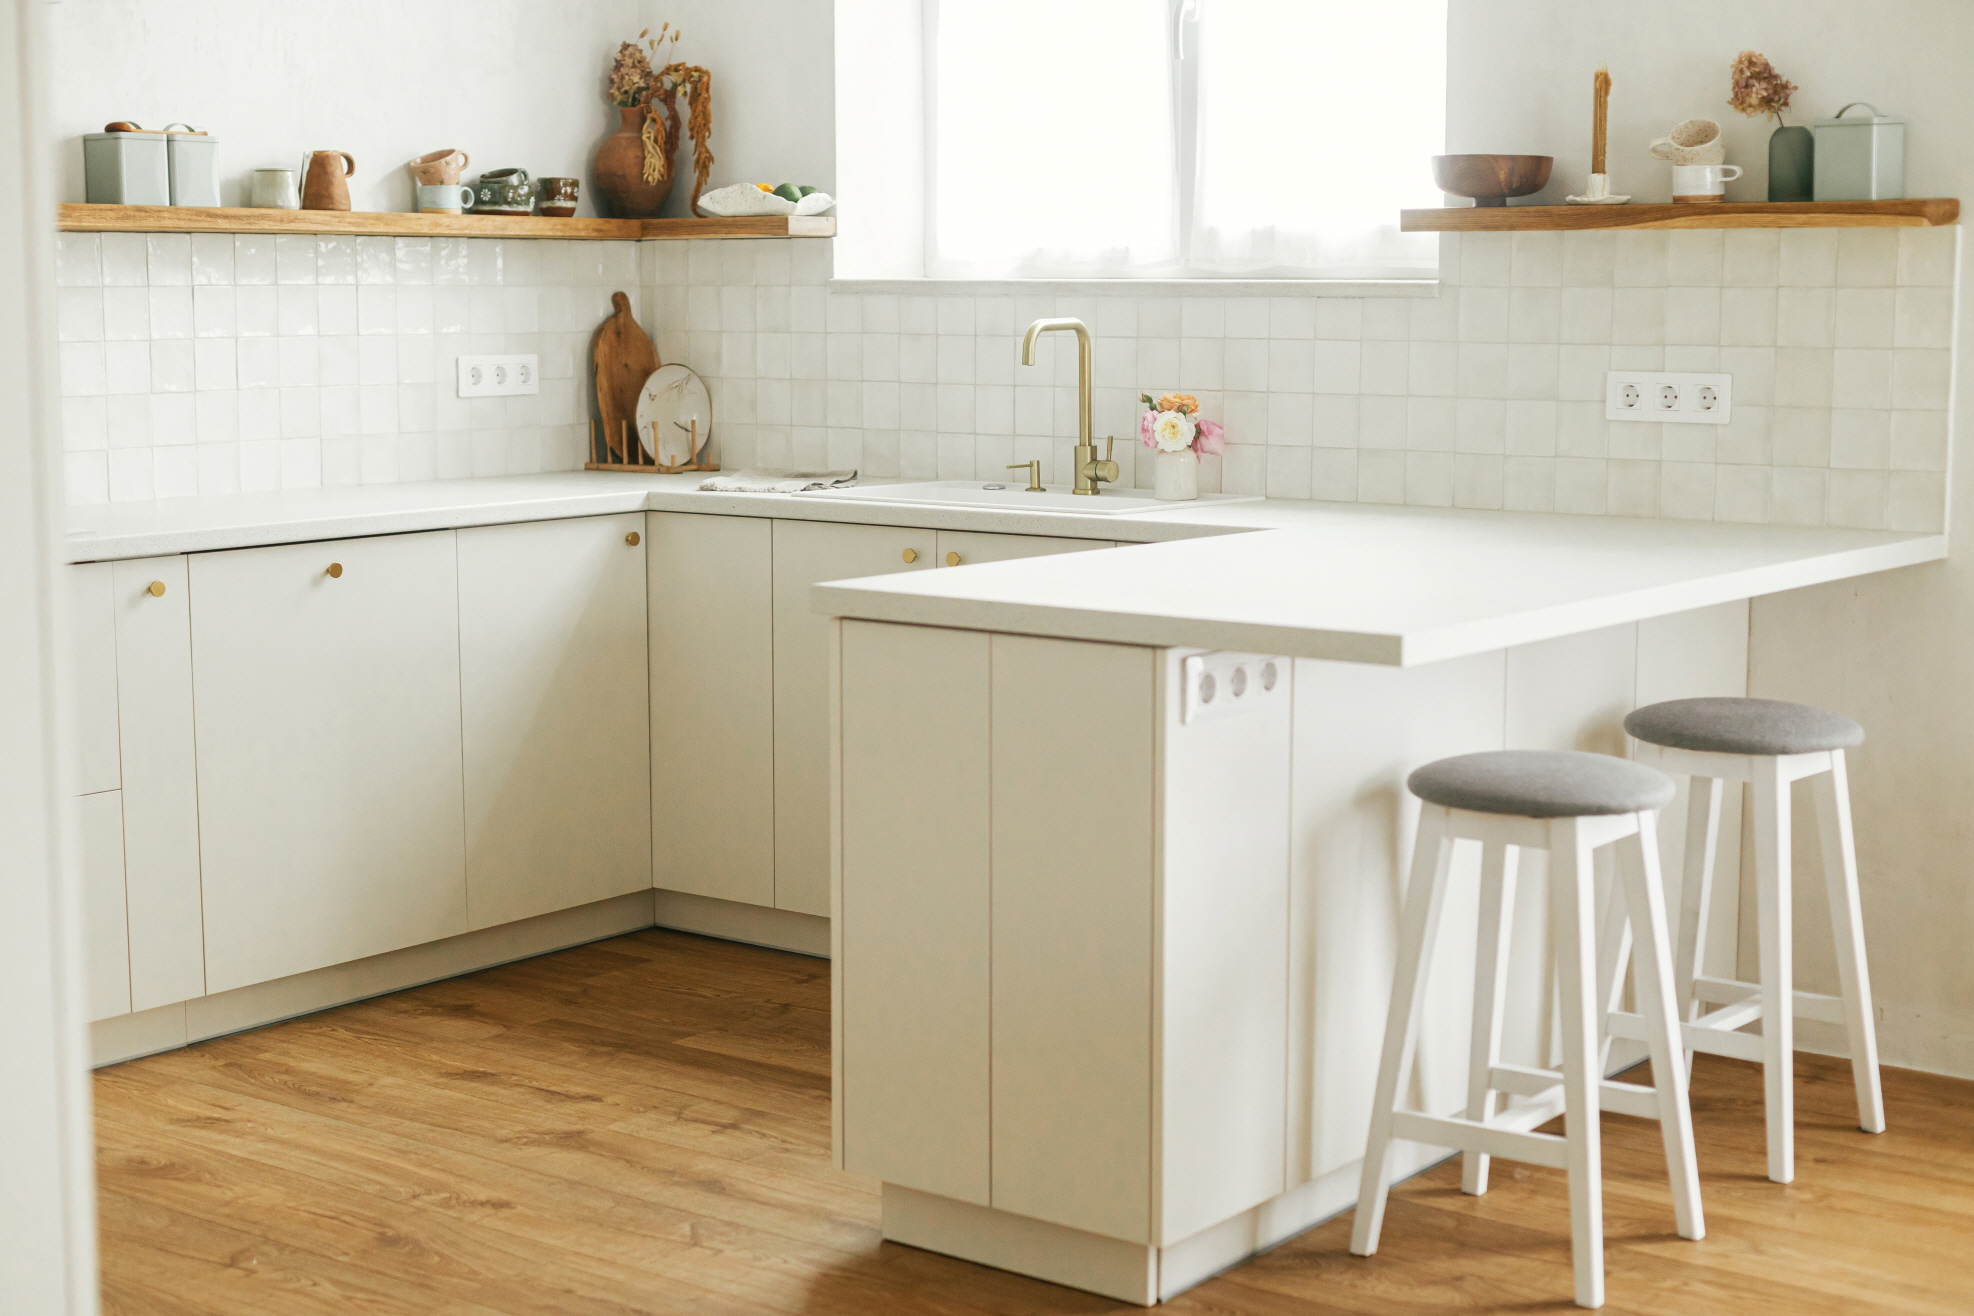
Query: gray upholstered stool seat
{"x": 1743, "y": 726}
{"x": 1542, "y": 783}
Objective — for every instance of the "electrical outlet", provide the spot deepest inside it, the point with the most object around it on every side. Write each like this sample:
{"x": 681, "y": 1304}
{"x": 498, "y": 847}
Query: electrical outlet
{"x": 499, "y": 376}
{"x": 1668, "y": 396}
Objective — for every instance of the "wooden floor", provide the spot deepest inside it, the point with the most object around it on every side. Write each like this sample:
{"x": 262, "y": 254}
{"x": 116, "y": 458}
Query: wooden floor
{"x": 642, "y": 1126}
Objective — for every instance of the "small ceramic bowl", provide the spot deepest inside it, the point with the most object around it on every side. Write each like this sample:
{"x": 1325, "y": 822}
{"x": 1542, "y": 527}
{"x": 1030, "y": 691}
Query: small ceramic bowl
{"x": 1491, "y": 179}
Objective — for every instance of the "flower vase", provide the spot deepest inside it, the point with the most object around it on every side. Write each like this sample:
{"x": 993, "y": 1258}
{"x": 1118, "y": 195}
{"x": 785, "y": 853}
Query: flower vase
{"x": 1177, "y": 476}
{"x": 1791, "y": 164}
{"x": 619, "y": 168}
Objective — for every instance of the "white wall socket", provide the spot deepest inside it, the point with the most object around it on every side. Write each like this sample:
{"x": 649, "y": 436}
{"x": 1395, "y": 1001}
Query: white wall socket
{"x": 499, "y": 376}
{"x": 1668, "y": 396}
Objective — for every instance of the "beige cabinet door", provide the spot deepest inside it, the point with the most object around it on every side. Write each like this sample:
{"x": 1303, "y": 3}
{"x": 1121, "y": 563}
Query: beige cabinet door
{"x": 711, "y": 592}
{"x": 91, "y": 764}
{"x": 153, "y": 606}
{"x": 554, "y": 717}
{"x": 959, "y": 548}
{"x": 105, "y": 919}
{"x": 807, "y": 553}
{"x": 326, "y": 678}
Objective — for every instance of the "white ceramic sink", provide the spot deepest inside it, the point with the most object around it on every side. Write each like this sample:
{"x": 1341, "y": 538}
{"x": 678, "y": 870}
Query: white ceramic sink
{"x": 1014, "y": 497}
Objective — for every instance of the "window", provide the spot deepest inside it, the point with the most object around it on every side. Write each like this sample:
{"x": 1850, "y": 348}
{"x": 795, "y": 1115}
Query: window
{"x": 1180, "y": 138}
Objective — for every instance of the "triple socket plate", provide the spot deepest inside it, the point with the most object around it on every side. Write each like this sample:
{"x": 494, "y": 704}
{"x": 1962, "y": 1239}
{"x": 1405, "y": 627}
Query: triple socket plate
{"x": 1669, "y": 396}
{"x": 499, "y": 376}
{"x": 1223, "y": 684}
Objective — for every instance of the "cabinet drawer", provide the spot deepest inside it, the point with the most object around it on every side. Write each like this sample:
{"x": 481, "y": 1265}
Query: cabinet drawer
{"x": 959, "y": 548}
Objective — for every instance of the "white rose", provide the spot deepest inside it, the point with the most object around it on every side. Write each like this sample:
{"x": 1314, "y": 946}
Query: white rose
{"x": 1173, "y": 430}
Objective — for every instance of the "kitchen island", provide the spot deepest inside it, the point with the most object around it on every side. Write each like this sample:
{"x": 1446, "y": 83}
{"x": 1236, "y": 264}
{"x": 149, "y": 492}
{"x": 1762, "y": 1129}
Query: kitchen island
{"x": 1119, "y": 837}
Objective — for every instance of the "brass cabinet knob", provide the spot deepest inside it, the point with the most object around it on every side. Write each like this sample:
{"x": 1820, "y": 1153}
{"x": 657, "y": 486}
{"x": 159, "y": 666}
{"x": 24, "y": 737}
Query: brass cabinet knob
{"x": 952, "y": 559}
{"x": 911, "y": 555}
{"x": 155, "y": 589}
{"x": 632, "y": 539}
{"x": 335, "y": 571}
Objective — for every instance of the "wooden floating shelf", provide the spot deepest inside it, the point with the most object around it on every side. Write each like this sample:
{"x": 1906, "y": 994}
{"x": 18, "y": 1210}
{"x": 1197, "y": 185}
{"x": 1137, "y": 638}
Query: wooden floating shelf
{"x": 369, "y": 223}
{"x": 1920, "y": 213}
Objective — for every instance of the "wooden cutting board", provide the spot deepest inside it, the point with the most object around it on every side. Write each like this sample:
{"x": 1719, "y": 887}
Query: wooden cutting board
{"x": 623, "y": 358}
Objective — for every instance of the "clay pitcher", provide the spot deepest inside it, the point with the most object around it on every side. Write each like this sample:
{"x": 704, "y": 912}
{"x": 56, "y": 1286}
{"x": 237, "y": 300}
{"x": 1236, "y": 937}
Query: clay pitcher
{"x": 619, "y": 168}
{"x": 324, "y": 188}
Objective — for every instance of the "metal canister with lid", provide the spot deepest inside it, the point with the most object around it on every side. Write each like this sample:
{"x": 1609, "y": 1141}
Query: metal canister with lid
{"x": 1860, "y": 158}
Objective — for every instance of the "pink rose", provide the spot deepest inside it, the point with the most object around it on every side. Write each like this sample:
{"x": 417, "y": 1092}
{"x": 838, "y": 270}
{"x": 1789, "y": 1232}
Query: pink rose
{"x": 1211, "y": 438}
{"x": 1145, "y": 419}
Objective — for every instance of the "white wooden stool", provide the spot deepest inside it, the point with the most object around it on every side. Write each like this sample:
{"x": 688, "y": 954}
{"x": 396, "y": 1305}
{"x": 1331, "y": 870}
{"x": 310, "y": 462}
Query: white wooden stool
{"x": 1768, "y": 743}
{"x": 1569, "y": 804}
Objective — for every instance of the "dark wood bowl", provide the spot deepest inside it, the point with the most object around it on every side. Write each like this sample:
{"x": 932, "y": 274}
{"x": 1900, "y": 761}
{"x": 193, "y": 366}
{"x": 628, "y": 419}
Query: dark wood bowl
{"x": 1491, "y": 179}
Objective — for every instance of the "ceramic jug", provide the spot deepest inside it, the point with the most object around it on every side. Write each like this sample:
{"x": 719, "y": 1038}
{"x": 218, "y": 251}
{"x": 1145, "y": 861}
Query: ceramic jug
{"x": 323, "y": 188}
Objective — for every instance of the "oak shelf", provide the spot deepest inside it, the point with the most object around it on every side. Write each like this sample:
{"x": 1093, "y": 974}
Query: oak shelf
{"x": 1918, "y": 213}
{"x": 78, "y": 218}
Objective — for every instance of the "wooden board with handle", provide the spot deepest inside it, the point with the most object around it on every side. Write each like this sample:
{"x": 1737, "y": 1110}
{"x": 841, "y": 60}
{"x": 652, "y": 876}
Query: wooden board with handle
{"x": 623, "y": 358}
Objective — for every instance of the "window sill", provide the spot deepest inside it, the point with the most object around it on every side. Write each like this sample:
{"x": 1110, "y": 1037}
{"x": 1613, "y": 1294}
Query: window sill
{"x": 1143, "y": 287}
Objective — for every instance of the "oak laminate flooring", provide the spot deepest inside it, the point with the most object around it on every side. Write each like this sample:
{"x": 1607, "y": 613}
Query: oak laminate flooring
{"x": 642, "y": 1126}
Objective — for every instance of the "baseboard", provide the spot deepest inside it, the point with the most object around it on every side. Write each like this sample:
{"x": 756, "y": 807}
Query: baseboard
{"x": 779, "y": 929}
{"x": 1005, "y": 1241}
{"x": 126, "y": 1037}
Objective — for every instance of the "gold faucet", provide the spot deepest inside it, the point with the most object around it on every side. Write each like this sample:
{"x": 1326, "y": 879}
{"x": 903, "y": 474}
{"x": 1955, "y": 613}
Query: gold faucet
{"x": 1089, "y": 471}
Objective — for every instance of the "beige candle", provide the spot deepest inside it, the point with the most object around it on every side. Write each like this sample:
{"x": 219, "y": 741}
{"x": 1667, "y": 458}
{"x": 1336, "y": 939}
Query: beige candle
{"x": 1600, "y": 113}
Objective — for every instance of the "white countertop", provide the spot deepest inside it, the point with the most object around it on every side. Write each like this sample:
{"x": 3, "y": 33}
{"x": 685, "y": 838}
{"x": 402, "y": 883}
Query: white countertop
{"x": 1362, "y": 583}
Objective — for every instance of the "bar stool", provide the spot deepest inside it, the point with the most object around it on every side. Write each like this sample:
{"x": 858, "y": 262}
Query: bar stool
{"x": 1570, "y": 805}
{"x": 1768, "y": 743}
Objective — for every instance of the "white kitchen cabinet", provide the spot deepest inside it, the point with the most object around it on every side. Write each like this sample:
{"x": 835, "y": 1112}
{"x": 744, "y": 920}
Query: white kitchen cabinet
{"x": 806, "y": 552}
{"x": 959, "y": 548}
{"x": 329, "y": 774}
{"x": 105, "y": 919}
{"x": 162, "y": 882}
{"x": 712, "y": 639}
{"x": 91, "y": 763}
{"x": 554, "y": 722}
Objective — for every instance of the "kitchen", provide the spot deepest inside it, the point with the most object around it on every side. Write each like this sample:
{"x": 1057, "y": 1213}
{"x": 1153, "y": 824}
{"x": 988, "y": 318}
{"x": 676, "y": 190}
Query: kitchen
{"x": 419, "y": 697}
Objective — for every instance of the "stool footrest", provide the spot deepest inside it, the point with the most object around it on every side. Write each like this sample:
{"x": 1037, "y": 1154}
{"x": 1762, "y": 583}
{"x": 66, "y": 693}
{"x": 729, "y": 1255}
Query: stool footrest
{"x": 1809, "y": 1005}
{"x": 1471, "y": 1135}
{"x": 1623, "y": 1098}
{"x": 1696, "y": 1036}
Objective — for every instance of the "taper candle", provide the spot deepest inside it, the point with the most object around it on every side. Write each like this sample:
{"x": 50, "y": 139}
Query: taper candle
{"x": 1599, "y": 119}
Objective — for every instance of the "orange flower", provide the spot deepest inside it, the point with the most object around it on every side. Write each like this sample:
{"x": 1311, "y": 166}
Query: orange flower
{"x": 1185, "y": 403}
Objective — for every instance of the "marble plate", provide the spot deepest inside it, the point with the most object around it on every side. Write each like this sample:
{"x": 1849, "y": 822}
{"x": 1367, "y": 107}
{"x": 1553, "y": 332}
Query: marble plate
{"x": 668, "y": 405}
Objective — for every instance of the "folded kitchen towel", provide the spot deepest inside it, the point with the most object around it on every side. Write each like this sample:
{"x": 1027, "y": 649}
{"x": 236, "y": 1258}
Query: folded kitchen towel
{"x": 769, "y": 479}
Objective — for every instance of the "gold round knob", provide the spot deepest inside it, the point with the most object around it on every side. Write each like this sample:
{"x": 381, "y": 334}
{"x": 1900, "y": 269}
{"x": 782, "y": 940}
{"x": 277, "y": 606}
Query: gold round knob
{"x": 335, "y": 571}
{"x": 155, "y": 589}
{"x": 952, "y": 559}
{"x": 911, "y": 555}
{"x": 632, "y": 539}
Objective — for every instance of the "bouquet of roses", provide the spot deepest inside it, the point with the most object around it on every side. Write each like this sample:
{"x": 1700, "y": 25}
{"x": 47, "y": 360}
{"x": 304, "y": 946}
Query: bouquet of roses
{"x": 1172, "y": 424}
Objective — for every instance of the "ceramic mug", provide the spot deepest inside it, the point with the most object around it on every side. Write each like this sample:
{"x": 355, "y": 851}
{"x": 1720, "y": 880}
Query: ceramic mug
{"x": 438, "y": 167}
{"x": 443, "y": 198}
{"x": 559, "y": 196}
{"x": 276, "y": 189}
{"x": 504, "y": 192}
{"x": 1702, "y": 182}
{"x": 1691, "y": 142}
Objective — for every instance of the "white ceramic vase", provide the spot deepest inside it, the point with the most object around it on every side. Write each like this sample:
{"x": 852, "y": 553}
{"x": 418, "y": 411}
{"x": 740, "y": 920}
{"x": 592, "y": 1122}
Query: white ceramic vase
{"x": 1177, "y": 476}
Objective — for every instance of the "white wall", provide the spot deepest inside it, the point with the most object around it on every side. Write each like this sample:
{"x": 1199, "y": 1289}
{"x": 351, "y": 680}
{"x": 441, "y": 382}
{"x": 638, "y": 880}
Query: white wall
{"x": 512, "y": 82}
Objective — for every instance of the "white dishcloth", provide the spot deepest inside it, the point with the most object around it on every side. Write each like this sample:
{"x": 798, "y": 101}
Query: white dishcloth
{"x": 775, "y": 480}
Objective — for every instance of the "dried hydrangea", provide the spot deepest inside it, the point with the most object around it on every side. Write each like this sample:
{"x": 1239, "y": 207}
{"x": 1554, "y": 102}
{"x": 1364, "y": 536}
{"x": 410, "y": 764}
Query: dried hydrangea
{"x": 1756, "y": 88}
{"x": 630, "y": 74}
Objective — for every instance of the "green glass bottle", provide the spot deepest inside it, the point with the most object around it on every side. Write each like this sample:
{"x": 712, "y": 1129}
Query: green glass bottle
{"x": 1791, "y": 164}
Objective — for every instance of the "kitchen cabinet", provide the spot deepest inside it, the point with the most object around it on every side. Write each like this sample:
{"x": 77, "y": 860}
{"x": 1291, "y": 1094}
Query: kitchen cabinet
{"x": 105, "y": 917}
{"x": 554, "y": 718}
{"x": 959, "y": 548}
{"x": 91, "y": 763}
{"x": 712, "y": 806}
{"x": 330, "y": 783}
{"x": 161, "y": 866}
{"x": 806, "y": 552}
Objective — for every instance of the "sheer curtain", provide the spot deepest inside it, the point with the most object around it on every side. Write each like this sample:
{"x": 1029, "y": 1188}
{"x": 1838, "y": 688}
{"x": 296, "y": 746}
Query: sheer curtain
{"x": 1316, "y": 124}
{"x": 1181, "y": 138}
{"x": 1051, "y": 139}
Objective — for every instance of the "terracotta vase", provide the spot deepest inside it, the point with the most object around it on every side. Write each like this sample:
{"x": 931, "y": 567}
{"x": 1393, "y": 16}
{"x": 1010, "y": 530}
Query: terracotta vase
{"x": 619, "y": 170}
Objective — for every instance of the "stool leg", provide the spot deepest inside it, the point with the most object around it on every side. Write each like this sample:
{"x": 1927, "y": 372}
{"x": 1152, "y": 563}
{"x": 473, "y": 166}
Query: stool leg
{"x": 1497, "y": 905}
{"x": 1572, "y": 897}
{"x": 1645, "y": 895}
{"x": 1696, "y": 890}
{"x": 1773, "y": 901}
{"x": 1424, "y": 898}
{"x": 1833, "y": 816}
{"x": 1613, "y": 955}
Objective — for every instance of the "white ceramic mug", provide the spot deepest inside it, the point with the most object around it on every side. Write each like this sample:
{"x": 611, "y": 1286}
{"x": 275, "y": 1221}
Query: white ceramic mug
{"x": 1702, "y": 182}
{"x": 276, "y": 189}
{"x": 443, "y": 198}
{"x": 1691, "y": 142}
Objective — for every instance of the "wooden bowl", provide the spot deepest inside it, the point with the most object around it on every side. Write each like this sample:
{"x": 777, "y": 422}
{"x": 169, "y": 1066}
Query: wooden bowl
{"x": 1491, "y": 179}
